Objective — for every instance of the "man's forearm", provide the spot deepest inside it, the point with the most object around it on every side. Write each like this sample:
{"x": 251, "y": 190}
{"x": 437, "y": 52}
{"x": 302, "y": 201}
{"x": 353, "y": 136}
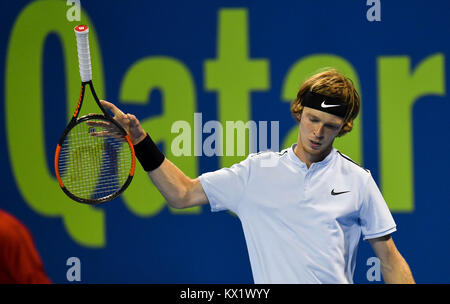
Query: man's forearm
{"x": 396, "y": 271}
{"x": 179, "y": 190}
{"x": 171, "y": 183}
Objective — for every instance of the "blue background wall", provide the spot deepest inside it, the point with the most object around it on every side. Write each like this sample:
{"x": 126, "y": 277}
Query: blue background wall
{"x": 202, "y": 247}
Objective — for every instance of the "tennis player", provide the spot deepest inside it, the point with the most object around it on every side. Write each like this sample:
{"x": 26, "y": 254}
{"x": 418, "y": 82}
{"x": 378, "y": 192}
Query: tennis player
{"x": 303, "y": 215}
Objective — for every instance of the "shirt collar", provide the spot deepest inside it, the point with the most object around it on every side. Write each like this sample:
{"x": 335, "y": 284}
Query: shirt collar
{"x": 293, "y": 157}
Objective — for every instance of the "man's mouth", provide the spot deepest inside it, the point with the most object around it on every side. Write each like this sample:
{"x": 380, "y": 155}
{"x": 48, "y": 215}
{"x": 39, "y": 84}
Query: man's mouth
{"x": 315, "y": 144}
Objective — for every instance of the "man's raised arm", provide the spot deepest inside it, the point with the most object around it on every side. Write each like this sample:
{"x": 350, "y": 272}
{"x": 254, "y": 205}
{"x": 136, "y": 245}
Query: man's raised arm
{"x": 179, "y": 190}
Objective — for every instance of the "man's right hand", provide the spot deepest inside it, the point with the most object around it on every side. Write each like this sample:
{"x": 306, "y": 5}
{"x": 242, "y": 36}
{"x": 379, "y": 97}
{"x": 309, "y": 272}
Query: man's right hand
{"x": 128, "y": 121}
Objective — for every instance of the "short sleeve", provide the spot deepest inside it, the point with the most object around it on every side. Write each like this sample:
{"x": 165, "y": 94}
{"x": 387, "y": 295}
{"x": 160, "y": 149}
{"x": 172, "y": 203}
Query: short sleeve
{"x": 375, "y": 218}
{"x": 225, "y": 187}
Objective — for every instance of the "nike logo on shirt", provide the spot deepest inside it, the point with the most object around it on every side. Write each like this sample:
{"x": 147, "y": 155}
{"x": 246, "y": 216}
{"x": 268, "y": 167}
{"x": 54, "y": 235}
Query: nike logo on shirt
{"x": 337, "y": 193}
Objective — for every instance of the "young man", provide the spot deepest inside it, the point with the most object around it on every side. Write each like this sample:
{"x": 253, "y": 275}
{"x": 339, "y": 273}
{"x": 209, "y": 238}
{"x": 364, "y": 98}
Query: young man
{"x": 303, "y": 214}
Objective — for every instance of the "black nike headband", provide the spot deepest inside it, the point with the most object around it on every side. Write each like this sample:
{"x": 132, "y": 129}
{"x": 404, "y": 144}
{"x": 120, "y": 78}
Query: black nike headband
{"x": 325, "y": 104}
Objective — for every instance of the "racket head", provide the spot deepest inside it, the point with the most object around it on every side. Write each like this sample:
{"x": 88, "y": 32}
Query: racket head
{"x": 94, "y": 160}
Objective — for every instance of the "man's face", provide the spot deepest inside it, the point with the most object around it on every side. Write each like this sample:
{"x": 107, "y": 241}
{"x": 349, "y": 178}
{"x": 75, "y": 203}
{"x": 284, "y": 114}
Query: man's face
{"x": 317, "y": 131}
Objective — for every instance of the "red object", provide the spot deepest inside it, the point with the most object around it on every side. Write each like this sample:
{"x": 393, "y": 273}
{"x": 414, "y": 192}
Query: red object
{"x": 81, "y": 28}
{"x": 20, "y": 262}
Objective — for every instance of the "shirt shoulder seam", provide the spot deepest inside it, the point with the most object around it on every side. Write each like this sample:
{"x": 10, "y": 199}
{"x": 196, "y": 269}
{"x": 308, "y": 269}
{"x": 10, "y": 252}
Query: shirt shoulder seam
{"x": 352, "y": 161}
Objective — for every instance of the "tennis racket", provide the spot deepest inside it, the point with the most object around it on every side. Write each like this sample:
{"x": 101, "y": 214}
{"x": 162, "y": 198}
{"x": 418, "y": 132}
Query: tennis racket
{"x": 94, "y": 158}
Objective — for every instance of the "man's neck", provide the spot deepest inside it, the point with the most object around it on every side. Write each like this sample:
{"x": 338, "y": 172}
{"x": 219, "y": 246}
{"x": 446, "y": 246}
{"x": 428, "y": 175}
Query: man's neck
{"x": 309, "y": 158}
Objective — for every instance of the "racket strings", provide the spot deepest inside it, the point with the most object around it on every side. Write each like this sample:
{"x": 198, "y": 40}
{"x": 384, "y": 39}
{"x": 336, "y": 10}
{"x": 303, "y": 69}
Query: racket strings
{"x": 94, "y": 167}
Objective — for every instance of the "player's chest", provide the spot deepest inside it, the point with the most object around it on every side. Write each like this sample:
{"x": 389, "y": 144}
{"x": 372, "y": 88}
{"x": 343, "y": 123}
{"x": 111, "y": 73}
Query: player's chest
{"x": 311, "y": 195}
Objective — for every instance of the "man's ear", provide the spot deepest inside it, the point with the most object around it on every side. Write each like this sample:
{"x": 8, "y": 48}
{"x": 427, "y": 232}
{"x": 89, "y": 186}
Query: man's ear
{"x": 346, "y": 127}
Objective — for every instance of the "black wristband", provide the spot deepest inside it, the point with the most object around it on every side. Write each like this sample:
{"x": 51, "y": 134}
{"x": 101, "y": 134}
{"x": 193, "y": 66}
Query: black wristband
{"x": 148, "y": 154}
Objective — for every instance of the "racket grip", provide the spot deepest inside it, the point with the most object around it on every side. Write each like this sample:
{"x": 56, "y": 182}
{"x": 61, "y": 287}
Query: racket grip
{"x": 84, "y": 56}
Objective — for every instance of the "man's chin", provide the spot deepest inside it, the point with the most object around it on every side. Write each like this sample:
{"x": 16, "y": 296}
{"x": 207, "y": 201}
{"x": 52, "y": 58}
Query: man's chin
{"x": 315, "y": 150}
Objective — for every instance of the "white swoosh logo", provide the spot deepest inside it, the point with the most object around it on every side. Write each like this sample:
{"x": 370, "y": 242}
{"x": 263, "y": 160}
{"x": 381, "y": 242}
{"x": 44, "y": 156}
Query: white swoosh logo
{"x": 323, "y": 105}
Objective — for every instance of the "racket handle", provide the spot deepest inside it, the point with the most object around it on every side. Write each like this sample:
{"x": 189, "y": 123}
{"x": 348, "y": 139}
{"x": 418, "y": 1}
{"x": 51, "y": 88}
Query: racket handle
{"x": 84, "y": 56}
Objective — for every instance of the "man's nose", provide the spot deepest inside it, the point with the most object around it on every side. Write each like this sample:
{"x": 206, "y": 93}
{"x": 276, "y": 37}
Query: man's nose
{"x": 319, "y": 132}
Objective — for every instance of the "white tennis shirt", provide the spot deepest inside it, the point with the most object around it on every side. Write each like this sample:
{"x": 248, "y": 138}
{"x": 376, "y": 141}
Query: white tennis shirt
{"x": 301, "y": 225}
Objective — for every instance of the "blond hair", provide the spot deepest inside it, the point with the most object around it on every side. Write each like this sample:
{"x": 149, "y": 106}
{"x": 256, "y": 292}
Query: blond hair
{"x": 330, "y": 83}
